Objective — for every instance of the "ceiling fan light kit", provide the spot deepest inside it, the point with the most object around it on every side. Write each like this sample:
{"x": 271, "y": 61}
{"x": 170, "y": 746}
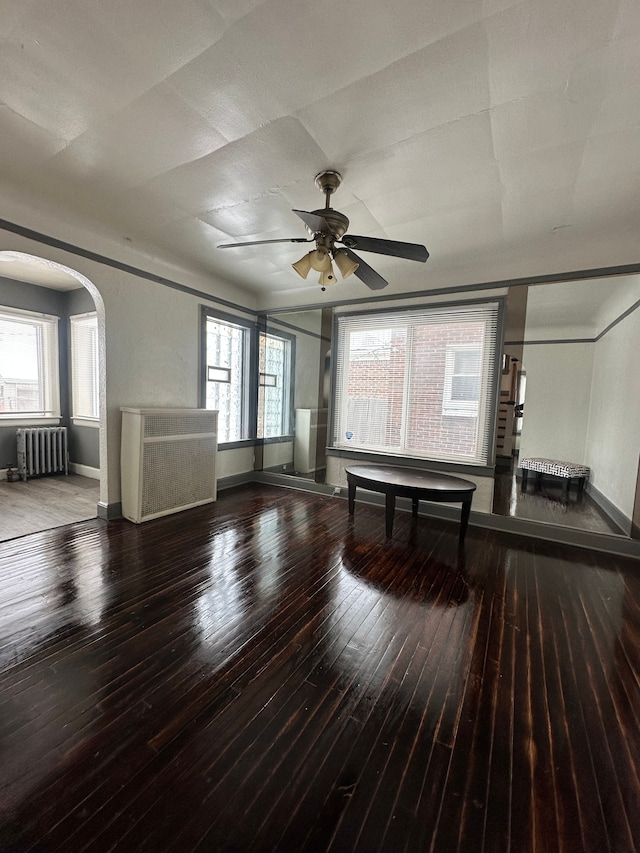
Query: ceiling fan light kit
{"x": 344, "y": 263}
{"x": 303, "y": 266}
{"x": 328, "y": 227}
{"x": 327, "y": 278}
{"x": 320, "y": 260}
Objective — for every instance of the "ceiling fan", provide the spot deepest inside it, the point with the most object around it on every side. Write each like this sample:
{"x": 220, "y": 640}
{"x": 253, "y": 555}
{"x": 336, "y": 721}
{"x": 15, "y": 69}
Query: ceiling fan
{"x": 327, "y": 227}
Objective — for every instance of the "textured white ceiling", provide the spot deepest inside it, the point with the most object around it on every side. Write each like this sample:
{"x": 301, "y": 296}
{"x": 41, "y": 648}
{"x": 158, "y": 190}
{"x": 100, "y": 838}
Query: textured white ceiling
{"x": 505, "y": 136}
{"x": 571, "y": 309}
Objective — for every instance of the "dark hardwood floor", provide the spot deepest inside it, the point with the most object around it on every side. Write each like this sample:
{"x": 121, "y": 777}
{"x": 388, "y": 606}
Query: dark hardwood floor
{"x": 266, "y": 674}
{"x": 547, "y": 501}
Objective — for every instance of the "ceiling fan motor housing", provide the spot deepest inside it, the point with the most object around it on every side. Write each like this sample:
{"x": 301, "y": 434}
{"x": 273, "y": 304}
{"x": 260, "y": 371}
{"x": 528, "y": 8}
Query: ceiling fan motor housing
{"x": 328, "y": 182}
{"x": 337, "y": 222}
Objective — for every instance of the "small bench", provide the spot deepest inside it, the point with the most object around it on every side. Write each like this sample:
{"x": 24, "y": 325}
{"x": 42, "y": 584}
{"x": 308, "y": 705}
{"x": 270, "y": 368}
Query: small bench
{"x": 555, "y": 467}
{"x": 410, "y": 483}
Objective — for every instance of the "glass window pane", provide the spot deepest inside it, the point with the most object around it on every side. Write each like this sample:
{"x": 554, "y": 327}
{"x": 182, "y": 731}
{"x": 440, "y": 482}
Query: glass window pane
{"x": 225, "y": 391}
{"x": 373, "y": 416}
{"x": 28, "y": 364}
{"x": 274, "y": 386}
{"x": 417, "y": 383}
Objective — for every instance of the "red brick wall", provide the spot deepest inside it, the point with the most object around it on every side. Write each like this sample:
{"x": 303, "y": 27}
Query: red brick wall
{"x": 428, "y": 430}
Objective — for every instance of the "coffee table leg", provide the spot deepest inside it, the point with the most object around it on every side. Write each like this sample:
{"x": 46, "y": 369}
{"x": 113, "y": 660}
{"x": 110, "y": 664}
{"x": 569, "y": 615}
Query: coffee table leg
{"x": 464, "y": 519}
{"x": 415, "y": 507}
{"x": 390, "y": 508}
{"x": 352, "y": 497}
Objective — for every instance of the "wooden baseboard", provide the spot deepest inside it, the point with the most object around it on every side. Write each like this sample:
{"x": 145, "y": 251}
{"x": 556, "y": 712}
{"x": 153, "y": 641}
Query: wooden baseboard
{"x": 84, "y": 470}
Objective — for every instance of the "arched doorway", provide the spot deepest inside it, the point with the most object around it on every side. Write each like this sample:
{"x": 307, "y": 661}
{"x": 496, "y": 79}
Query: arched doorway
{"x": 32, "y": 287}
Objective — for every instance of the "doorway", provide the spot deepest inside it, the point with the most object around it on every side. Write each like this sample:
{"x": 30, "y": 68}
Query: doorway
{"x": 60, "y": 385}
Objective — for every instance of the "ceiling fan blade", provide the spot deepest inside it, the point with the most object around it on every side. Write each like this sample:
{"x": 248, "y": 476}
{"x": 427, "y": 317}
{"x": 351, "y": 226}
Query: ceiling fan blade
{"x": 367, "y": 274}
{"x": 262, "y": 242}
{"x": 410, "y": 251}
{"x": 313, "y": 222}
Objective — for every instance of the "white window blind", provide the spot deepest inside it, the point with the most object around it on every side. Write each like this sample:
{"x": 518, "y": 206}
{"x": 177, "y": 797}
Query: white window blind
{"x": 418, "y": 383}
{"x": 84, "y": 365}
{"x": 462, "y": 380}
{"x": 29, "y": 382}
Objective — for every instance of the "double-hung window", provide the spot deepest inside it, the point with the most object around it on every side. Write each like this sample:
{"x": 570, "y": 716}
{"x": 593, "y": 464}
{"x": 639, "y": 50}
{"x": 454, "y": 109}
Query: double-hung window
{"x": 29, "y": 381}
{"x": 84, "y": 366}
{"x": 247, "y": 378}
{"x": 274, "y": 385}
{"x": 462, "y": 380}
{"x": 227, "y": 376}
{"x": 419, "y": 383}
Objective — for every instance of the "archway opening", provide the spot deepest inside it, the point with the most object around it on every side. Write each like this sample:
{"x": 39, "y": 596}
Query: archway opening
{"x": 52, "y": 374}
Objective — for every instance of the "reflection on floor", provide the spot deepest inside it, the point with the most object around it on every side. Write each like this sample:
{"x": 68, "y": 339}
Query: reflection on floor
{"x": 46, "y": 502}
{"x": 549, "y": 502}
{"x": 318, "y": 476}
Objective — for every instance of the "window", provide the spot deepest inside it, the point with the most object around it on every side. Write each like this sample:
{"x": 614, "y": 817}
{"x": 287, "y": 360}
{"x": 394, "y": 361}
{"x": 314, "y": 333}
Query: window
{"x": 418, "y": 383}
{"x": 84, "y": 366}
{"x": 247, "y": 378}
{"x": 227, "y": 383}
{"x": 29, "y": 384}
{"x": 462, "y": 380}
{"x": 274, "y": 386}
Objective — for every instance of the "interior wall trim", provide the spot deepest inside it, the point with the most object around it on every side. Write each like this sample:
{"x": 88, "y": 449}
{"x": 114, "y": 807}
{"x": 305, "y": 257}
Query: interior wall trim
{"x": 232, "y": 480}
{"x": 109, "y": 512}
{"x": 105, "y": 260}
{"x": 551, "y": 341}
{"x": 276, "y": 321}
{"x": 595, "y": 340}
{"x": 575, "y": 275}
{"x": 609, "y": 508}
{"x": 84, "y": 470}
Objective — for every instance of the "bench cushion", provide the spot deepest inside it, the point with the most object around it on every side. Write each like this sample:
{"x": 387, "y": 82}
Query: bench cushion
{"x": 554, "y": 466}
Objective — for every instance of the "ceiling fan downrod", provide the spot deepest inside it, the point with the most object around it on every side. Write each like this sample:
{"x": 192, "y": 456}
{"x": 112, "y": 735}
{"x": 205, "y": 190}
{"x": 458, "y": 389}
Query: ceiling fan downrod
{"x": 328, "y": 182}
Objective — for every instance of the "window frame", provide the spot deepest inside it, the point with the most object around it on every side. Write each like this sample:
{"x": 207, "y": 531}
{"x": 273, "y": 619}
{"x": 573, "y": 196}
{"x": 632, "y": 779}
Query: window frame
{"x": 403, "y": 455}
{"x": 253, "y": 328}
{"x": 288, "y": 420}
{"x": 48, "y": 367}
{"x": 249, "y": 384}
{"x": 92, "y": 420}
{"x": 458, "y": 408}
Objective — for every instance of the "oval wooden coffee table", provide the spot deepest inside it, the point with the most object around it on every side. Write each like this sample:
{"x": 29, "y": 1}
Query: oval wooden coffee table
{"x": 410, "y": 483}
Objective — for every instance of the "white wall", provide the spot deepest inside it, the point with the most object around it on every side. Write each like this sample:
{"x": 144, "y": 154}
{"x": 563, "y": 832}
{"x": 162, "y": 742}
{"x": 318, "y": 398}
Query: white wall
{"x": 613, "y": 437}
{"x": 151, "y": 344}
{"x": 582, "y": 401}
{"x": 557, "y": 401}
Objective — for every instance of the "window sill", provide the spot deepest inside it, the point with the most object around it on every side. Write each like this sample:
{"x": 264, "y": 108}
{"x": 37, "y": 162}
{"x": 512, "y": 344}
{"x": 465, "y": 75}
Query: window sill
{"x": 86, "y": 422}
{"x": 29, "y": 422}
{"x": 275, "y": 439}
{"x": 480, "y": 469}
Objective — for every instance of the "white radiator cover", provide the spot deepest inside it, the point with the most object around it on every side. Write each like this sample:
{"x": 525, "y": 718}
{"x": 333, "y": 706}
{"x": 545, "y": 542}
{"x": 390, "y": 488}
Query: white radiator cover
{"x": 167, "y": 461}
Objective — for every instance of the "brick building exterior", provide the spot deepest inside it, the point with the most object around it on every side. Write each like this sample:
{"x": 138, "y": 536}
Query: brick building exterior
{"x": 437, "y": 366}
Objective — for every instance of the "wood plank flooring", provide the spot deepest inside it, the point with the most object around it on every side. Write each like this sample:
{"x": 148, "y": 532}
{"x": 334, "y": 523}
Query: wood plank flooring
{"x": 548, "y": 502}
{"x": 45, "y": 502}
{"x": 267, "y": 674}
